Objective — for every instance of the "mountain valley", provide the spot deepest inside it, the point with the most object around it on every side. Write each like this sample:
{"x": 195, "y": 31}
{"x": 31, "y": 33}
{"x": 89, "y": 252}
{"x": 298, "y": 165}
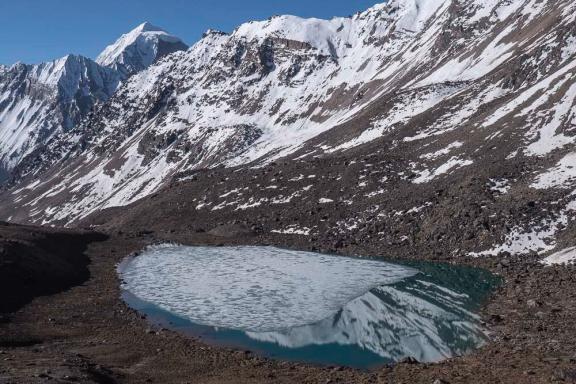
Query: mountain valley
{"x": 441, "y": 131}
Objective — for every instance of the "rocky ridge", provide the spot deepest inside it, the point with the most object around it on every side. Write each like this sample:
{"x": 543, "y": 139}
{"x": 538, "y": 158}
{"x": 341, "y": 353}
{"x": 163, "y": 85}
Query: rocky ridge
{"x": 445, "y": 123}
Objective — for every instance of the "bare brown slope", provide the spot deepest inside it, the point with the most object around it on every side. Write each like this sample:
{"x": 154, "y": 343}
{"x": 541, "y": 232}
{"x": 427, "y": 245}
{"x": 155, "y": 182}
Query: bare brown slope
{"x": 38, "y": 261}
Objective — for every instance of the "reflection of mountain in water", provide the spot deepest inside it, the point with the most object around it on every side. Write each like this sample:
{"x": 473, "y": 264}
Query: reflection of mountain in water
{"x": 419, "y": 319}
{"x": 309, "y": 307}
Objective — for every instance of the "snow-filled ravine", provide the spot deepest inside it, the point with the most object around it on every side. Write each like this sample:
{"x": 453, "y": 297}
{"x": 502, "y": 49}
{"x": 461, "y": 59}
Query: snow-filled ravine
{"x": 309, "y": 307}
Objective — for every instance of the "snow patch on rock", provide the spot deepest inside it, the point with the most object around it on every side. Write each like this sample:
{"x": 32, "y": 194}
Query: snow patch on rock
{"x": 563, "y": 175}
{"x": 565, "y": 256}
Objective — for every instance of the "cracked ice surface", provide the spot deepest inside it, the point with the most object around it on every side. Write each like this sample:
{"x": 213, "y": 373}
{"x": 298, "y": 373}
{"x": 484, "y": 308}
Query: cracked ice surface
{"x": 255, "y": 289}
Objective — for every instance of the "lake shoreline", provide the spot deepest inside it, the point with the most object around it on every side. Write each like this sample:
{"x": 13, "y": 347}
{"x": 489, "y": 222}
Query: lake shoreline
{"x": 88, "y": 332}
{"x": 354, "y": 312}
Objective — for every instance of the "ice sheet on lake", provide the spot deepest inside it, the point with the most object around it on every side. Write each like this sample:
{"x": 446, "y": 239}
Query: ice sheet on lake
{"x": 255, "y": 289}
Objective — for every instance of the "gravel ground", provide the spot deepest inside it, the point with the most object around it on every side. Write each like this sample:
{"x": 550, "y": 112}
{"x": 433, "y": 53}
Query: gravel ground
{"x": 86, "y": 333}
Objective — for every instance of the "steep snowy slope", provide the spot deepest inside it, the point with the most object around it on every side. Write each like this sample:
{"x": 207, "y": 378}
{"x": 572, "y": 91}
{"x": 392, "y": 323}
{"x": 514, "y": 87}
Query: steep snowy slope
{"x": 436, "y": 90}
{"x": 38, "y": 102}
{"x": 234, "y": 98}
{"x": 138, "y": 49}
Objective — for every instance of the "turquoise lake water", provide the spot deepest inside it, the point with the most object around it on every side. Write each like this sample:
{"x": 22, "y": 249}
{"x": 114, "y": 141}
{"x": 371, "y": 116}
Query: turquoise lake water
{"x": 308, "y": 307}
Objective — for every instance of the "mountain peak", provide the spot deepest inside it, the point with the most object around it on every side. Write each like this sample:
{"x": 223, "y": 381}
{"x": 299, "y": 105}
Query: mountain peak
{"x": 139, "y": 48}
{"x": 148, "y": 27}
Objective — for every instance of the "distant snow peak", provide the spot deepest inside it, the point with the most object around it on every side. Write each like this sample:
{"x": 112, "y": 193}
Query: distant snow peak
{"x": 56, "y": 96}
{"x": 40, "y": 101}
{"x": 140, "y": 48}
{"x": 148, "y": 27}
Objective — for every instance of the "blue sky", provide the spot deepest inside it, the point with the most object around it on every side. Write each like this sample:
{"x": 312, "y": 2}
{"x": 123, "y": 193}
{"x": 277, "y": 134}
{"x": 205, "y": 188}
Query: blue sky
{"x": 38, "y": 30}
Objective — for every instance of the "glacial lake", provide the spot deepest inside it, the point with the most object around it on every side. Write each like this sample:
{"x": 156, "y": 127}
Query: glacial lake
{"x": 309, "y": 307}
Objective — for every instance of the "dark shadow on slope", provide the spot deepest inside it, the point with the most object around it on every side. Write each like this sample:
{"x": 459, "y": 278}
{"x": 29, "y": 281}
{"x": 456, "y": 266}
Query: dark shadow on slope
{"x": 37, "y": 262}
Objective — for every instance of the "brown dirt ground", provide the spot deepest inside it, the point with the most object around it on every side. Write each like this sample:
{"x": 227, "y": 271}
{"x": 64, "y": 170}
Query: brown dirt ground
{"x": 86, "y": 334}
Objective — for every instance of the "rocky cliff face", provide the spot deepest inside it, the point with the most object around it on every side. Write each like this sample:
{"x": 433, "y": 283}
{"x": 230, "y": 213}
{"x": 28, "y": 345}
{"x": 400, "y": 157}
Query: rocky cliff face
{"x": 415, "y": 96}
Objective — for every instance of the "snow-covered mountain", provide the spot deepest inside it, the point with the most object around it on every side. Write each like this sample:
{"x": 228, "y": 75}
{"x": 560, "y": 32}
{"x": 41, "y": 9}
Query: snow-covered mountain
{"x": 38, "y": 102}
{"x": 138, "y": 49}
{"x": 434, "y": 88}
